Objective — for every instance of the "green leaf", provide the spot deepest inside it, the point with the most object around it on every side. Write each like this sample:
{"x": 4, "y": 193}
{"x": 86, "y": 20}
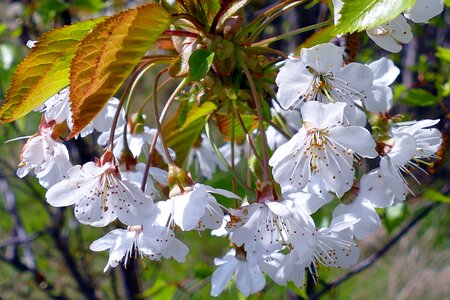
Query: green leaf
{"x": 211, "y": 8}
{"x": 419, "y": 97}
{"x": 107, "y": 55}
{"x": 224, "y": 125}
{"x": 443, "y": 54}
{"x": 182, "y": 139}
{"x": 433, "y": 195}
{"x": 199, "y": 112}
{"x": 357, "y": 15}
{"x": 45, "y": 70}
{"x": 200, "y": 62}
{"x": 323, "y": 35}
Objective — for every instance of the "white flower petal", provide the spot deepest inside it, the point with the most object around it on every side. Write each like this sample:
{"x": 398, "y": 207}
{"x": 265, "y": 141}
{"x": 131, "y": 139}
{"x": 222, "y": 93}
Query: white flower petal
{"x": 424, "y": 10}
{"x": 384, "y": 71}
{"x": 369, "y": 219}
{"x": 403, "y": 150}
{"x": 322, "y": 116}
{"x": 355, "y": 138}
{"x": 323, "y": 58}
{"x": 249, "y": 279}
{"x": 290, "y": 81}
{"x": 374, "y": 189}
{"x": 222, "y": 275}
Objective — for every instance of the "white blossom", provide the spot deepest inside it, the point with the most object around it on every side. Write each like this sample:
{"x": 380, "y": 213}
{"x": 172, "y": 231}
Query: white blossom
{"x": 380, "y": 97}
{"x": 424, "y": 10}
{"x": 373, "y": 192}
{"x": 323, "y": 146}
{"x": 204, "y": 158}
{"x": 125, "y": 244}
{"x": 31, "y": 44}
{"x": 318, "y": 75}
{"x": 269, "y": 226}
{"x": 331, "y": 247}
{"x": 46, "y": 157}
{"x": 391, "y": 35}
{"x": 243, "y": 268}
{"x": 154, "y": 174}
{"x": 100, "y": 196}
{"x": 140, "y": 241}
{"x": 57, "y": 108}
{"x": 411, "y": 143}
{"x": 195, "y": 208}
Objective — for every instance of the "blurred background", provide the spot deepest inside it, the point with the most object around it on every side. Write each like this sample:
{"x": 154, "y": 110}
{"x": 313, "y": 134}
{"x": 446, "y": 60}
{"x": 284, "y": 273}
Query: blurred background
{"x": 44, "y": 252}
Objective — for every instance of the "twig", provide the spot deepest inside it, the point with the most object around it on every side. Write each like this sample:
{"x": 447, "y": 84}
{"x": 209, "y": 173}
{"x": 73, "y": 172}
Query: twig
{"x": 19, "y": 230}
{"x": 21, "y": 238}
{"x": 12, "y": 241}
{"x": 372, "y": 259}
{"x": 85, "y": 286}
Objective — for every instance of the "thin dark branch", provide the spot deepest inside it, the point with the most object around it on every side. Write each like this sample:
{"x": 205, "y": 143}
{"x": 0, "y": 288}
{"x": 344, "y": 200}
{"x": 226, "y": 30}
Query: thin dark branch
{"x": 21, "y": 238}
{"x": 19, "y": 230}
{"x": 18, "y": 241}
{"x": 372, "y": 259}
{"x": 38, "y": 277}
{"x": 85, "y": 286}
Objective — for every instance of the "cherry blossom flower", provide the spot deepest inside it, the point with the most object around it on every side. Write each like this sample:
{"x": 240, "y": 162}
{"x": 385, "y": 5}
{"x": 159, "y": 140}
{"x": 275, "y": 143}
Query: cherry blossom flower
{"x": 243, "y": 268}
{"x": 411, "y": 143}
{"x": 269, "y": 226}
{"x": 373, "y": 193}
{"x": 46, "y": 157}
{"x": 318, "y": 75}
{"x": 322, "y": 146}
{"x": 204, "y": 158}
{"x": 124, "y": 244}
{"x": 391, "y": 35}
{"x": 331, "y": 247}
{"x": 57, "y": 108}
{"x": 380, "y": 98}
{"x": 195, "y": 208}
{"x": 136, "y": 241}
{"x": 100, "y": 195}
{"x": 154, "y": 174}
{"x": 222, "y": 230}
{"x": 428, "y": 140}
{"x": 424, "y": 10}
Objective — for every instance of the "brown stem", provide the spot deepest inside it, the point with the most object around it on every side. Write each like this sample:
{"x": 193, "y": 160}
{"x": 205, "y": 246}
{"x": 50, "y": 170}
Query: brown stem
{"x": 155, "y": 137}
{"x": 262, "y": 131}
{"x": 180, "y": 33}
{"x": 156, "y": 115}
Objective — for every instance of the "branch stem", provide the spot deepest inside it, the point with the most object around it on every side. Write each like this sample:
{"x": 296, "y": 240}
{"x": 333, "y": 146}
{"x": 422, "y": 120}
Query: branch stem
{"x": 262, "y": 131}
{"x": 291, "y": 33}
{"x": 155, "y": 137}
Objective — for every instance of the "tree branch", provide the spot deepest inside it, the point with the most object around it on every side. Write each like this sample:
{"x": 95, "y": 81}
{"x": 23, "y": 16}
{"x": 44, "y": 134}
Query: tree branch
{"x": 372, "y": 259}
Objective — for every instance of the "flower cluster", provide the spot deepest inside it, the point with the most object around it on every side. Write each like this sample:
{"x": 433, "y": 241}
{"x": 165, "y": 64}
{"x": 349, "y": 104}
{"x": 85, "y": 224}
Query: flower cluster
{"x": 322, "y": 102}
